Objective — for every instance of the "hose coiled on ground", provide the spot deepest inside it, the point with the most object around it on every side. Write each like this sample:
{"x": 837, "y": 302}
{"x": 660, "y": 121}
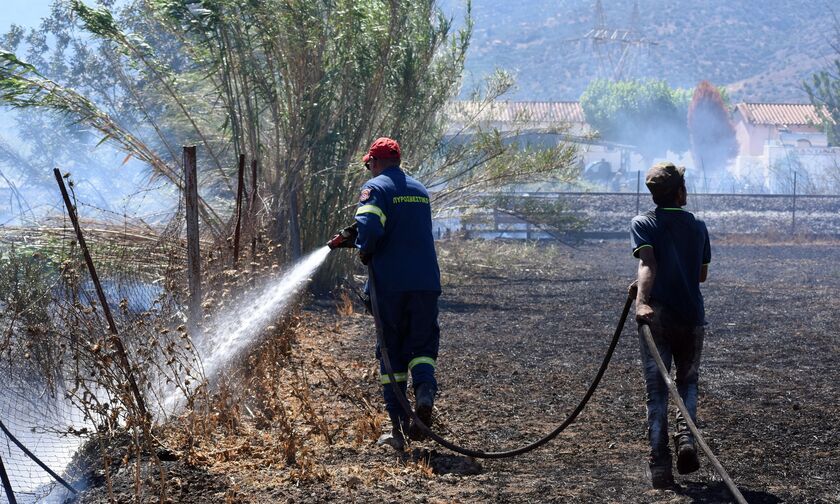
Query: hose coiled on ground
{"x": 493, "y": 454}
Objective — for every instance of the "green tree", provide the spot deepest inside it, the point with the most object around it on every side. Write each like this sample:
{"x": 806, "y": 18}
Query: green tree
{"x": 302, "y": 86}
{"x": 824, "y": 94}
{"x": 646, "y": 114}
{"x": 713, "y": 142}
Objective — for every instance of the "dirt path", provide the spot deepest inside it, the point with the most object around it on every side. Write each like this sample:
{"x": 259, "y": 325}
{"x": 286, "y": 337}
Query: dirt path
{"x": 524, "y": 330}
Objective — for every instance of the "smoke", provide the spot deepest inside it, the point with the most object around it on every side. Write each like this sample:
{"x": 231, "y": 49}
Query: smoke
{"x": 713, "y": 142}
{"x": 654, "y": 135}
{"x": 117, "y": 187}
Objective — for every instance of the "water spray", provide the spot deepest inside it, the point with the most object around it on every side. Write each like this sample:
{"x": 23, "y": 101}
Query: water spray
{"x": 236, "y": 327}
{"x": 240, "y": 323}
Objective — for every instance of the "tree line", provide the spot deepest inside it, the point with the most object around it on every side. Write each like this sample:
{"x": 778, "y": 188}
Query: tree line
{"x": 655, "y": 119}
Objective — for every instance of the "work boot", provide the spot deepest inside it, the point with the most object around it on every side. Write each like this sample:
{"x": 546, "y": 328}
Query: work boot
{"x": 661, "y": 476}
{"x": 396, "y": 437}
{"x": 424, "y": 401}
{"x": 687, "y": 461}
{"x": 660, "y": 469}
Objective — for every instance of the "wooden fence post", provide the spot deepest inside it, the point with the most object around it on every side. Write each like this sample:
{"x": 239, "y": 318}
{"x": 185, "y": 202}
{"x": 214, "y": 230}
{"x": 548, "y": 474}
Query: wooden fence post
{"x": 793, "y": 210}
{"x": 638, "y": 189}
{"x": 193, "y": 249}
{"x": 119, "y": 348}
{"x": 240, "y": 186}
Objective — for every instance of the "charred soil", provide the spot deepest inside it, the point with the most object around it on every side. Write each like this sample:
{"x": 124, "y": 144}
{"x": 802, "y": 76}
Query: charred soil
{"x": 524, "y": 330}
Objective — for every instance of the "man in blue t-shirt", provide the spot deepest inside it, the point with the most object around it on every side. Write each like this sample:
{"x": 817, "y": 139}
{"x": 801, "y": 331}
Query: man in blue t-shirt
{"x": 394, "y": 222}
{"x": 674, "y": 254}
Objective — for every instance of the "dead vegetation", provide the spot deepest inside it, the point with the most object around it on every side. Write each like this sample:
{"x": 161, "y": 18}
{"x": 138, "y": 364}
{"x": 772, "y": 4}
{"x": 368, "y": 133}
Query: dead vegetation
{"x": 524, "y": 324}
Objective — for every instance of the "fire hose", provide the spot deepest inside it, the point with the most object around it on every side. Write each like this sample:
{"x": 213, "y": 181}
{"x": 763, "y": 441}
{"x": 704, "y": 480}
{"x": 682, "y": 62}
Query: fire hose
{"x": 386, "y": 360}
{"x": 346, "y": 237}
{"x": 631, "y": 294}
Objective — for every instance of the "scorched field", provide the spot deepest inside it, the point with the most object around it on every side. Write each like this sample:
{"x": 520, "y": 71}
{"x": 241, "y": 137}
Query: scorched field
{"x": 524, "y": 330}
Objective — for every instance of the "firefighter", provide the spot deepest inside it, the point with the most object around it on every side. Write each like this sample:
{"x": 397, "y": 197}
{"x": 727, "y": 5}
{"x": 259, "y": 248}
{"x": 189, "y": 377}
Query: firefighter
{"x": 394, "y": 223}
{"x": 674, "y": 254}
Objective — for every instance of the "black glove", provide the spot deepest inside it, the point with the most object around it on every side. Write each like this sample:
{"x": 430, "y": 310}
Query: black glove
{"x": 346, "y": 238}
{"x": 365, "y": 257}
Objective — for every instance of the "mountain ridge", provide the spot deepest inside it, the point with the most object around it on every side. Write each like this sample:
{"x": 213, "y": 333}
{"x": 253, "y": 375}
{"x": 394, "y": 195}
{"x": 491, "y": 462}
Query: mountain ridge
{"x": 760, "y": 50}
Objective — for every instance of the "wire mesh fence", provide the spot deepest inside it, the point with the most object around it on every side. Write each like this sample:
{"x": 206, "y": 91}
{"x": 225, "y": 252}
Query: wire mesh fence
{"x": 64, "y": 384}
{"x": 608, "y": 214}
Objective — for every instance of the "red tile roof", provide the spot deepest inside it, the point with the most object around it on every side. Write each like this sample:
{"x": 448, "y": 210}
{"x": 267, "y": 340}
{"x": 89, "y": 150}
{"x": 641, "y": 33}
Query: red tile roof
{"x": 510, "y": 111}
{"x": 779, "y": 114}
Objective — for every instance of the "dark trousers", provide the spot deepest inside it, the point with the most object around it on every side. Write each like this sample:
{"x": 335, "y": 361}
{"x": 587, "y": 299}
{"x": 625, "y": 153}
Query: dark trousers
{"x": 409, "y": 322}
{"x": 683, "y": 345}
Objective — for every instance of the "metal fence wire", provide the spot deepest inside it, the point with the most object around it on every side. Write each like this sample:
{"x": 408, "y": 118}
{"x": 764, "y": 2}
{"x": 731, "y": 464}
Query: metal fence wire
{"x": 608, "y": 214}
{"x": 62, "y": 389}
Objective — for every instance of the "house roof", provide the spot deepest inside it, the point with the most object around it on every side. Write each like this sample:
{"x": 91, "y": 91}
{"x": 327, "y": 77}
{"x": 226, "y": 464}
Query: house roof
{"x": 779, "y": 114}
{"x": 512, "y": 111}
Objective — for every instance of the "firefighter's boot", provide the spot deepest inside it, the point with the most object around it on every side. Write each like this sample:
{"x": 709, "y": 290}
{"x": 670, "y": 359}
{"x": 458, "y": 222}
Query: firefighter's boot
{"x": 687, "y": 461}
{"x": 424, "y": 402}
{"x": 396, "y": 437}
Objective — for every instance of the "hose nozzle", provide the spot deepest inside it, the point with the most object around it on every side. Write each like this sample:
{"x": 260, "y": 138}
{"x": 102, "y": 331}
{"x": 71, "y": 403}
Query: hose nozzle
{"x": 346, "y": 238}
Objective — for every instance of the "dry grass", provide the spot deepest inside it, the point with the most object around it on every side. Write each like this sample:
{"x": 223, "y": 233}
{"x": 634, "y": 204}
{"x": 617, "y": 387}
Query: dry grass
{"x": 283, "y": 408}
{"x": 776, "y": 239}
{"x": 494, "y": 257}
{"x": 345, "y": 307}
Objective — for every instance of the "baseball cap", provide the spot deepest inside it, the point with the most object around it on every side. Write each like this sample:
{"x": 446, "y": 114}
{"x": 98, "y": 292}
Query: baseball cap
{"x": 383, "y": 148}
{"x": 665, "y": 176}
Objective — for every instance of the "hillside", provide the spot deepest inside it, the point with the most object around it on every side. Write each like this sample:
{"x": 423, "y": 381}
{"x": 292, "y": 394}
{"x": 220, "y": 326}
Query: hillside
{"x": 760, "y": 50}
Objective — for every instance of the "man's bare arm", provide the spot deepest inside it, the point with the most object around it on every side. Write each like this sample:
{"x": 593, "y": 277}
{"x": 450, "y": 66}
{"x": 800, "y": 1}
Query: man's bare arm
{"x": 704, "y": 273}
{"x": 645, "y": 278}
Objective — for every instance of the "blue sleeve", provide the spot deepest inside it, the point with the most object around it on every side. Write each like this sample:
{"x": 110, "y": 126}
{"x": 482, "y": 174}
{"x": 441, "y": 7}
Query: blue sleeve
{"x": 370, "y": 216}
{"x": 707, "y": 247}
{"x": 641, "y": 235}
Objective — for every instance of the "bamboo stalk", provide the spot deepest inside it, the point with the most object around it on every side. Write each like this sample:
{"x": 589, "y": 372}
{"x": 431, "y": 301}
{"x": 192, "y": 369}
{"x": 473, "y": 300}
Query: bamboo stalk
{"x": 240, "y": 186}
{"x": 252, "y": 212}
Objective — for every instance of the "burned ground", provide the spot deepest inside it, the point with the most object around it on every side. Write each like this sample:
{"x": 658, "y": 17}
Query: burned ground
{"x": 524, "y": 330}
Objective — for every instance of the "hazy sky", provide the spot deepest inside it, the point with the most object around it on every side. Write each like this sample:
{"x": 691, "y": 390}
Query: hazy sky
{"x": 30, "y": 12}
{"x": 22, "y": 12}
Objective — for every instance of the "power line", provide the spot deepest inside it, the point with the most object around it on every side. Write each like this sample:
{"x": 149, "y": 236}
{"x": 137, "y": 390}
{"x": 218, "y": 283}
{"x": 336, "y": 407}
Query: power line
{"x": 617, "y": 48}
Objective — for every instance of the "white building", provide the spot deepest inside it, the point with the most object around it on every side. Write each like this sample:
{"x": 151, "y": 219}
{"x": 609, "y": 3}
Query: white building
{"x": 777, "y": 140}
{"x": 548, "y": 123}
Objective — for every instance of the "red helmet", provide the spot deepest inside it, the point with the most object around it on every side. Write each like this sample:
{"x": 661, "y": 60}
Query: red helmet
{"x": 383, "y": 148}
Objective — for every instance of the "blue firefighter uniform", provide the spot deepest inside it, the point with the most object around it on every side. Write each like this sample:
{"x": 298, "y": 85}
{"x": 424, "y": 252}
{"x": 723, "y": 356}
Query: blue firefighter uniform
{"x": 395, "y": 226}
